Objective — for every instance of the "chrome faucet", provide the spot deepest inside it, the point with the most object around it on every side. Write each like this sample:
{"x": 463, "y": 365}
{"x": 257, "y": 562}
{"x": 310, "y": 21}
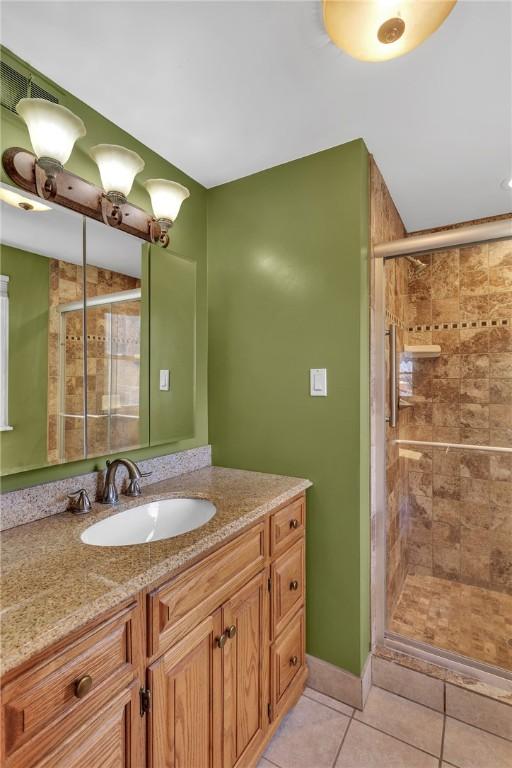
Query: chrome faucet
{"x": 110, "y": 494}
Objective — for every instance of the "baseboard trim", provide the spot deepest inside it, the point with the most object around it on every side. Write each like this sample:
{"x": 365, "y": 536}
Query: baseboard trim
{"x": 339, "y": 683}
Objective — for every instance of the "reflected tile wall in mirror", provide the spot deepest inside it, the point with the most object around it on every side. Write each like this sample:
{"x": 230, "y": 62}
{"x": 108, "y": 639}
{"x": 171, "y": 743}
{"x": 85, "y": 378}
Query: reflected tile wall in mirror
{"x": 117, "y": 332}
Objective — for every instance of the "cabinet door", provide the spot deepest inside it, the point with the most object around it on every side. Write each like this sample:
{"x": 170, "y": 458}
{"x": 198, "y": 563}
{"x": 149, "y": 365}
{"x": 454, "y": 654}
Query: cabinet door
{"x": 185, "y": 726}
{"x": 246, "y": 691}
{"x": 112, "y": 739}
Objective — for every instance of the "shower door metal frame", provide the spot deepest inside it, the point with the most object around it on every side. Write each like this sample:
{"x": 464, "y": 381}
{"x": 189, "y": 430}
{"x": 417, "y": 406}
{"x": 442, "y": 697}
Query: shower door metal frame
{"x": 462, "y": 236}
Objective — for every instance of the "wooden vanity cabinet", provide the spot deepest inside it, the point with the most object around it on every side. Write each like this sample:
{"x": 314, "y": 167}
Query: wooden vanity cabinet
{"x": 53, "y": 709}
{"x": 209, "y": 692}
{"x": 205, "y": 685}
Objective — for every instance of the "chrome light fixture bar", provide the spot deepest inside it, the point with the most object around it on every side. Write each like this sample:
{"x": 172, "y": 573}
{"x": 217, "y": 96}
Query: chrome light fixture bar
{"x": 53, "y": 131}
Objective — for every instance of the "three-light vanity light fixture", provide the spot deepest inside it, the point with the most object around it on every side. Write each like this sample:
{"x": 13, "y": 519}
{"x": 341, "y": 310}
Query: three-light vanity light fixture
{"x": 53, "y": 131}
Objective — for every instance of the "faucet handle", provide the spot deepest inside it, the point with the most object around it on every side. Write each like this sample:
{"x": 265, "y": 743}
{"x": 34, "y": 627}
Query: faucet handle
{"x": 146, "y": 474}
{"x": 134, "y": 488}
{"x": 79, "y": 502}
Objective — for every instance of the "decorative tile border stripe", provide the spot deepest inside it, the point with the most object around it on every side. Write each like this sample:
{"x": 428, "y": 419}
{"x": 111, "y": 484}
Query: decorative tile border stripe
{"x": 28, "y": 504}
{"x": 498, "y": 323}
{"x": 395, "y": 320}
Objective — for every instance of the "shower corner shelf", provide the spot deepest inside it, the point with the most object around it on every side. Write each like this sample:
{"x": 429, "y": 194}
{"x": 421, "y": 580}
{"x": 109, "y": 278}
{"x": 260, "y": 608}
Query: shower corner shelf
{"x": 422, "y": 350}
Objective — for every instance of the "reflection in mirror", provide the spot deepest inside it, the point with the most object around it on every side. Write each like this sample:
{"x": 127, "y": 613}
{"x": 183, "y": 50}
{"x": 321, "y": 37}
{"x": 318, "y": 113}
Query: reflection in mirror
{"x": 41, "y": 257}
{"x": 117, "y": 328}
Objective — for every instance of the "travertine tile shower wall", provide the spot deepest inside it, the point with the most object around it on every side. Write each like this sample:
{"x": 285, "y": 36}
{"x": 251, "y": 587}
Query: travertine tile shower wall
{"x": 460, "y": 502}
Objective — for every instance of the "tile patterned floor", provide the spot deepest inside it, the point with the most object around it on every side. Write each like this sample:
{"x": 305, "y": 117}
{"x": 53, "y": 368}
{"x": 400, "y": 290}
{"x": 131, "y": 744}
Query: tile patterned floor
{"x": 392, "y": 732}
{"x": 469, "y": 620}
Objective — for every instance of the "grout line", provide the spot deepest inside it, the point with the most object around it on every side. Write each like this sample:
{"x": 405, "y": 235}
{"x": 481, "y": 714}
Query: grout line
{"x": 442, "y": 741}
{"x": 323, "y": 704}
{"x": 412, "y": 701}
{"x": 343, "y": 740}
{"x": 452, "y": 717}
{"x": 479, "y": 728}
{"x": 397, "y": 738}
{"x": 269, "y": 761}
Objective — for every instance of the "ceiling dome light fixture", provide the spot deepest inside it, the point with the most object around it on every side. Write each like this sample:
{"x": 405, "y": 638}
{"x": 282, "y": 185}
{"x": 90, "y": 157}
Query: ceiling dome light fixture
{"x": 53, "y": 130}
{"x": 378, "y": 30}
{"x": 18, "y": 201}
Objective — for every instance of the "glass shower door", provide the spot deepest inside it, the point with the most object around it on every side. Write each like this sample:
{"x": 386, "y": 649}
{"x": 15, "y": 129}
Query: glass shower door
{"x": 449, "y": 474}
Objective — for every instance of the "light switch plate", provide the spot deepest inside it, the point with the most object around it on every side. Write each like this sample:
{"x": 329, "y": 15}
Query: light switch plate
{"x": 318, "y": 382}
{"x": 164, "y": 380}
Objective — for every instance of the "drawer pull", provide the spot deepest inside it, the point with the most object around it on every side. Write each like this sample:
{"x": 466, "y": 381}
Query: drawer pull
{"x": 294, "y": 523}
{"x": 294, "y": 661}
{"x": 82, "y": 686}
{"x": 231, "y": 631}
{"x": 221, "y": 641}
{"x": 294, "y": 585}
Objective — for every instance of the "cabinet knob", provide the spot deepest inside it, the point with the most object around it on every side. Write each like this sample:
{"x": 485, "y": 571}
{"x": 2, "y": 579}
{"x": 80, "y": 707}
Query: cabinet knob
{"x": 82, "y": 686}
{"x": 294, "y": 661}
{"x": 294, "y": 523}
{"x": 231, "y": 631}
{"x": 294, "y": 585}
{"x": 221, "y": 641}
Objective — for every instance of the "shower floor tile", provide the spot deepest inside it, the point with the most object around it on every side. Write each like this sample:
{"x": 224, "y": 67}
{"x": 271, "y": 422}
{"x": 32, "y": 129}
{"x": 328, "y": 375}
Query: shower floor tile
{"x": 472, "y": 621}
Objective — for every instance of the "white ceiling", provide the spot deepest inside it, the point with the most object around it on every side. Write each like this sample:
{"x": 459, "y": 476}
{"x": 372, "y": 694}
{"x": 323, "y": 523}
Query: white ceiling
{"x": 224, "y": 89}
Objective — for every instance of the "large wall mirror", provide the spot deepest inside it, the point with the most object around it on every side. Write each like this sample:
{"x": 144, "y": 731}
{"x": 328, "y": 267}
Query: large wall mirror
{"x": 92, "y": 318}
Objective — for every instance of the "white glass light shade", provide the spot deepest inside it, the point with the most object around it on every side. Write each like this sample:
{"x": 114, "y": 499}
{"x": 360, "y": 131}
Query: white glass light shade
{"x": 166, "y": 197}
{"x": 53, "y": 129}
{"x": 353, "y": 25}
{"x": 118, "y": 167}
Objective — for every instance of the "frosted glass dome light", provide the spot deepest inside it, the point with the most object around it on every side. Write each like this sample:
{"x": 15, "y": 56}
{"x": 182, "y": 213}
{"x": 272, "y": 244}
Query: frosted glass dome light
{"x": 378, "y": 30}
{"x": 166, "y": 198}
{"x": 53, "y": 129}
{"x": 118, "y": 167}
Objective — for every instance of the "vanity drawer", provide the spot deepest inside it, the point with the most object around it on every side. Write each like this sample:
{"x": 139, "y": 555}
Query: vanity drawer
{"x": 287, "y": 658}
{"x": 287, "y": 585}
{"x": 182, "y": 603}
{"x": 287, "y": 525}
{"x": 56, "y": 696}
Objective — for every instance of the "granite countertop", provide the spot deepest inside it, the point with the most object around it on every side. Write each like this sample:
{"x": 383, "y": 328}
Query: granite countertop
{"x": 51, "y": 583}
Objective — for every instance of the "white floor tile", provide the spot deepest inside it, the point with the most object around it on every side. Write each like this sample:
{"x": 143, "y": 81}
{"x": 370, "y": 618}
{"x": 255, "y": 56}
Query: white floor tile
{"x": 308, "y": 737}
{"x": 364, "y": 747}
{"x": 468, "y": 747}
{"x": 411, "y": 722}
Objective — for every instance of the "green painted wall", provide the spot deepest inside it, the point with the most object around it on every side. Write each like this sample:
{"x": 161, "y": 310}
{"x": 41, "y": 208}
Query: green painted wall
{"x": 173, "y": 286}
{"x": 188, "y": 239}
{"x": 29, "y": 276}
{"x": 288, "y": 291}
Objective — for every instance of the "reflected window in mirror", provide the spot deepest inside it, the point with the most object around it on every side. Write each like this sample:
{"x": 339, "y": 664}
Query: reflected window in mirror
{"x": 42, "y": 255}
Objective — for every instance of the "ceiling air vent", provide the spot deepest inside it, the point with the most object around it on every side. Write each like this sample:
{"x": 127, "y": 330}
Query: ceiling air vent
{"x": 15, "y": 86}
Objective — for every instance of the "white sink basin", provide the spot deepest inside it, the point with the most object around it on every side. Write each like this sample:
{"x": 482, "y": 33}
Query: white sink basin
{"x": 150, "y": 522}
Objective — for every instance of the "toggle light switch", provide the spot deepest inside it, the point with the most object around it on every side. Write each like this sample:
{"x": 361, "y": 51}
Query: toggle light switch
{"x": 318, "y": 382}
{"x": 164, "y": 380}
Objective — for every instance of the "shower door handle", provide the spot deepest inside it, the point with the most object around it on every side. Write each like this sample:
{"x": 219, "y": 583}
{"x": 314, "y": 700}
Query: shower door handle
{"x": 392, "y": 419}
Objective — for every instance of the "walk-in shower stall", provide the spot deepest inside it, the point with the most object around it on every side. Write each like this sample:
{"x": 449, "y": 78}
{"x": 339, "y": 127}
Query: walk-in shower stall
{"x": 444, "y": 549}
